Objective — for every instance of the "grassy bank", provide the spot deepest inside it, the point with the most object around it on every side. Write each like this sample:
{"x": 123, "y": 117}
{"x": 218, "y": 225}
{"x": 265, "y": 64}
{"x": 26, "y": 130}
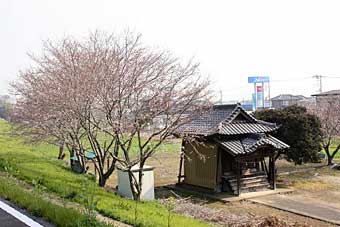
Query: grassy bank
{"x": 40, "y": 207}
{"x": 37, "y": 165}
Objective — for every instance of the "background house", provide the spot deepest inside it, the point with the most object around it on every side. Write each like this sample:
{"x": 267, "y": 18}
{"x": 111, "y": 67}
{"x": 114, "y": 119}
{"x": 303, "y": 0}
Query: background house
{"x": 327, "y": 95}
{"x": 284, "y": 100}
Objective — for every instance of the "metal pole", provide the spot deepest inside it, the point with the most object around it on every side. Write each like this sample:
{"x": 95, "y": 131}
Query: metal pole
{"x": 221, "y": 97}
{"x": 255, "y": 93}
{"x": 270, "y": 102}
{"x": 262, "y": 95}
{"x": 319, "y": 77}
{"x": 274, "y": 177}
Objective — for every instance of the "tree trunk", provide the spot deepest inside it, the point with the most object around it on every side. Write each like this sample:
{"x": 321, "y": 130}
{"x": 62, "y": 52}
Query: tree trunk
{"x": 140, "y": 179}
{"x": 71, "y": 155}
{"x": 102, "y": 180}
{"x": 133, "y": 183}
{"x": 61, "y": 154}
{"x": 99, "y": 167}
{"x": 329, "y": 161}
{"x": 329, "y": 156}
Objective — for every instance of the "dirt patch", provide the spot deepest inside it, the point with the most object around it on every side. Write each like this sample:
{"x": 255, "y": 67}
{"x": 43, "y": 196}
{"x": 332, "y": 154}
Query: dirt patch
{"x": 335, "y": 180}
{"x": 213, "y": 215}
{"x": 322, "y": 183}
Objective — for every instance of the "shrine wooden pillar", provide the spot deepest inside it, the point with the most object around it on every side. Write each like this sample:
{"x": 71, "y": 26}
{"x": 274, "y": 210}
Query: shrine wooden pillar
{"x": 272, "y": 172}
{"x": 180, "y": 176}
{"x": 238, "y": 177}
{"x": 274, "y": 175}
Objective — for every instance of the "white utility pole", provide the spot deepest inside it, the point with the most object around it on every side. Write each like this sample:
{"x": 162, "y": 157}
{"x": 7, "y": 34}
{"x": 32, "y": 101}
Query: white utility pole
{"x": 319, "y": 81}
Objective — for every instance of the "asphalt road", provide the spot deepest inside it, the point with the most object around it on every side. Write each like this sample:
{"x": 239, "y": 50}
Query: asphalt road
{"x": 7, "y": 220}
{"x": 13, "y": 216}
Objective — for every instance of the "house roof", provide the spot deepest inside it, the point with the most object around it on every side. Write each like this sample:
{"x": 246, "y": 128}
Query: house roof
{"x": 328, "y": 93}
{"x": 250, "y": 143}
{"x": 284, "y": 97}
{"x": 224, "y": 119}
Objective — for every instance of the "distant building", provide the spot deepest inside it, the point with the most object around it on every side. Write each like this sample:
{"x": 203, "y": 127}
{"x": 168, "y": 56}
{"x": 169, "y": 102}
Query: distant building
{"x": 284, "y": 100}
{"x": 326, "y": 95}
{"x": 247, "y": 106}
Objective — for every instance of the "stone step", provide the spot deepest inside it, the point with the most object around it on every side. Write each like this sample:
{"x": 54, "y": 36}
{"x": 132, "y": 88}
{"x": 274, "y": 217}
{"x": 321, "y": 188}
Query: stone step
{"x": 243, "y": 179}
{"x": 249, "y": 181}
{"x": 255, "y": 184}
{"x": 251, "y": 188}
{"x": 231, "y": 175}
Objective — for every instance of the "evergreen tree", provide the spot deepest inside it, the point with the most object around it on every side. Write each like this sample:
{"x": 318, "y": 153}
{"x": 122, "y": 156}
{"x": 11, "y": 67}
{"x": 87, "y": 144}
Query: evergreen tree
{"x": 299, "y": 129}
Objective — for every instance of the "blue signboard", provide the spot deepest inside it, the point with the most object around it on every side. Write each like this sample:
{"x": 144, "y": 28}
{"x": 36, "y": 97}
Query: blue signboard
{"x": 258, "y": 79}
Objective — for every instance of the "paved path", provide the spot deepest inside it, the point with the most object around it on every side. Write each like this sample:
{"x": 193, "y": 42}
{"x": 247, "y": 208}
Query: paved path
{"x": 12, "y": 217}
{"x": 7, "y": 220}
{"x": 302, "y": 206}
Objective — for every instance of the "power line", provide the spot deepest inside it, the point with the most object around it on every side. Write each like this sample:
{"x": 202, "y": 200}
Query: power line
{"x": 333, "y": 77}
{"x": 291, "y": 79}
{"x": 220, "y": 93}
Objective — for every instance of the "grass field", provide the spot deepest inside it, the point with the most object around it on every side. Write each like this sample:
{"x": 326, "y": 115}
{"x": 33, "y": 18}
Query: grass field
{"x": 38, "y": 166}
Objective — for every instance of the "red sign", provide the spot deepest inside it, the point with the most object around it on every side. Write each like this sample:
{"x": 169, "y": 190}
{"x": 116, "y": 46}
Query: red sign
{"x": 259, "y": 88}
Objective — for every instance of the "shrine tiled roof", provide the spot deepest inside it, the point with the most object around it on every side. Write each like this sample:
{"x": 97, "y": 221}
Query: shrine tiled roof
{"x": 250, "y": 143}
{"x": 226, "y": 120}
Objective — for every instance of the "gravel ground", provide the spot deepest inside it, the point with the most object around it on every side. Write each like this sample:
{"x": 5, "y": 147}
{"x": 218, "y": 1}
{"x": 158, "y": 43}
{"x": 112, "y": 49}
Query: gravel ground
{"x": 222, "y": 217}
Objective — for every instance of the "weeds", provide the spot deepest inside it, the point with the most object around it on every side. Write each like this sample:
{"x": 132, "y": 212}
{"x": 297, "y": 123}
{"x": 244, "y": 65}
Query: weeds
{"x": 170, "y": 204}
{"x": 88, "y": 199}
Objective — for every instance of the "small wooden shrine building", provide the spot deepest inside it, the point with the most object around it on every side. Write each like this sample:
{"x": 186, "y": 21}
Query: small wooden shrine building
{"x": 230, "y": 151}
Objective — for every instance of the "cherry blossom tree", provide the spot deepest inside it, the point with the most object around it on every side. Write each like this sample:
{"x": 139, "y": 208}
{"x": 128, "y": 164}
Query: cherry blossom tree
{"x": 109, "y": 94}
{"x": 328, "y": 111}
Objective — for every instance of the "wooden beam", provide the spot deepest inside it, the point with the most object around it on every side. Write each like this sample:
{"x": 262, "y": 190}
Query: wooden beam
{"x": 274, "y": 175}
{"x": 270, "y": 169}
{"x": 238, "y": 177}
{"x": 266, "y": 169}
{"x": 217, "y": 166}
{"x": 181, "y": 162}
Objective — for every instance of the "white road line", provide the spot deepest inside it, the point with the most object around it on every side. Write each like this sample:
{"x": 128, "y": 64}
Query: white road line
{"x": 23, "y": 218}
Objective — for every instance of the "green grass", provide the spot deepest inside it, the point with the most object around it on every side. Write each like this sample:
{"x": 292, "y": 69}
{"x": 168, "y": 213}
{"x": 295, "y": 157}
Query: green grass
{"x": 40, "y": 207}
{"x": 37, "y": 164}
